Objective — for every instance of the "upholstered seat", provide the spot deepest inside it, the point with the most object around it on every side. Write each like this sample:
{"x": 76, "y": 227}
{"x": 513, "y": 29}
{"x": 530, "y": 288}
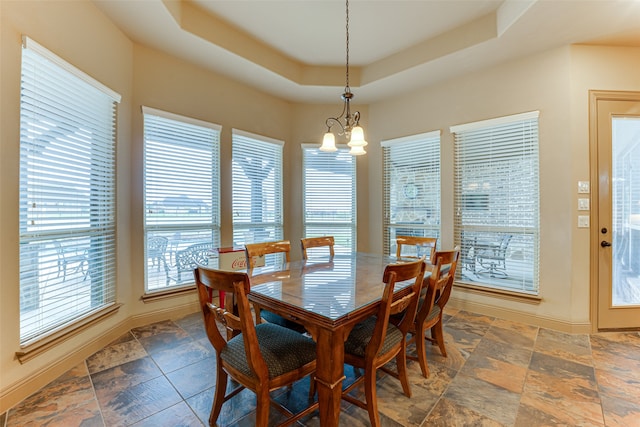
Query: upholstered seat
{"x": 261, "y": 358}
{"x": 433, "y": 299}
{"x": 361, "y": 335}
{"x": 376, "y": 341}
{"x": 283, "y": 350}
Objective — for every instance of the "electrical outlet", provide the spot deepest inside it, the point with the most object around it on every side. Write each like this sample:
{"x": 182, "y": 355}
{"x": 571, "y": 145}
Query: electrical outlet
{"x": 583, "y": 187}
{"x": 583, "y": 221}
{"x": 583, "y": 204}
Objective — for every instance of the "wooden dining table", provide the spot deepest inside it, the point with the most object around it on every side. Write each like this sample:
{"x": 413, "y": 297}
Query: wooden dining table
{"x": 329, "y": 296}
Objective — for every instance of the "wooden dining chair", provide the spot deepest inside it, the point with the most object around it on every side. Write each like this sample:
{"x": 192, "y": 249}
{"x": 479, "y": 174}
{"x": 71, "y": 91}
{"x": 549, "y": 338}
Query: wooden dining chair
{"x": 255, "y": 250}
{"x": 420, "y": 243}
{"x": 317, "y": 242}
{"x": 431, "y": 306}
{"x": 375, "y": 341}
{"x": 261, "y": 358}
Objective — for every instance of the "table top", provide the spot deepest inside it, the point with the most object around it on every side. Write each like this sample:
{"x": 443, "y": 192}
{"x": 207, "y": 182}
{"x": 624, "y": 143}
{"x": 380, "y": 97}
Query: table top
{"x": 330, "y": 289}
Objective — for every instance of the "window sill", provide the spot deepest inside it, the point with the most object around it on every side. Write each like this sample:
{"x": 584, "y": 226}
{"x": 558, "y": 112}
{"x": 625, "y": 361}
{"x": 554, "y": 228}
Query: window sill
{"x": 38, "y": 346}
{"x": 510, "y": 295}
{"x": 168, "y": 293}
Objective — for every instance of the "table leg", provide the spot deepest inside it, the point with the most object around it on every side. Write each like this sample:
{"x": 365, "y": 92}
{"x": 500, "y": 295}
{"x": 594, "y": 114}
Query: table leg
{"x": 329, "y": 375}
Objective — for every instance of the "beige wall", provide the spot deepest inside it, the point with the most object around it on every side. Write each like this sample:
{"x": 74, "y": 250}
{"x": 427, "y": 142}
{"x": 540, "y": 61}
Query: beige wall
{"x": 85, "y": 38}
{"x": 554, "y": 82}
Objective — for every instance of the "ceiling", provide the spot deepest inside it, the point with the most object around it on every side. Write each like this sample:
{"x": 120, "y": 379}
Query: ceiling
{"x": 296, "y": 49}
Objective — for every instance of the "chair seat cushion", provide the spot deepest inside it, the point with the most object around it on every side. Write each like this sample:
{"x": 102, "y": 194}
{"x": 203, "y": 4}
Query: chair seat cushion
{"x": 281, "y": 321}
{"x": 435, "y": 311}
{"x": 283, "y": 350}
{"x": 361, "y": 334}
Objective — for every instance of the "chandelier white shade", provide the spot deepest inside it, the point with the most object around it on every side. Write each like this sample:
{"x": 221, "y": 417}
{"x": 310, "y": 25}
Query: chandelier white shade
{"x": 351, "y": 128}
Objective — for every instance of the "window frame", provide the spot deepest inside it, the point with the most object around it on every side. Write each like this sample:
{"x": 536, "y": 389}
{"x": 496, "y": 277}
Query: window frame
{"x": 271, "y": 203}
{"x": 345, "y": 242}
{"x": 67, "y": 213}
{"x": 509, "y": 144}
{"x": 182, "y": 215}
{"x": 410, "y": 192}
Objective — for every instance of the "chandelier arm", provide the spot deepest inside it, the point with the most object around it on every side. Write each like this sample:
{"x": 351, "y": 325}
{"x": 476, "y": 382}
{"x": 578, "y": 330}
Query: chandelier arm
{"x": 335, "y": 121}
{"x": 351, "y": 121}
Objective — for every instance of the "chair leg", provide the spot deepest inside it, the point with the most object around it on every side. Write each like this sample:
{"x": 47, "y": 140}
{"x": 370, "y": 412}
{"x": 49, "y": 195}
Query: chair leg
{"x": 218, "y": 399}
{"x": 371, "y": 396}
{"x": 438, "y": 336}
{"x": 421, "y": 350}
{"x": 262, "y": 407}
{"x": 401, "y": 363}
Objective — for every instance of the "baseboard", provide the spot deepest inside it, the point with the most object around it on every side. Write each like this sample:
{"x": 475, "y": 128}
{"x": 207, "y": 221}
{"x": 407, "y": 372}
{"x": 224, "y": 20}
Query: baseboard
{"x": 520, "y": 317}
{"x": 20, "y": 390}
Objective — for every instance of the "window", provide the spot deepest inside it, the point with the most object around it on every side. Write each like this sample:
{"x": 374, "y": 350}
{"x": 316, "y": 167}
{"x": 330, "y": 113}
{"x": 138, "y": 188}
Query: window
{"x": 67, "y": 194}
{"x": 497, "y": 202}
{"x": 411, "y": 187}
{"x": 329, "y": 196}
{"x": 257, "y": 190}
{"x": 181, "y": 185}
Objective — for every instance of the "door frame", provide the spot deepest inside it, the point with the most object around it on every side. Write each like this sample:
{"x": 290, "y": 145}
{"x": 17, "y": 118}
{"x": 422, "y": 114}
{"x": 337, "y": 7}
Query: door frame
{"x": 594, "y": 231}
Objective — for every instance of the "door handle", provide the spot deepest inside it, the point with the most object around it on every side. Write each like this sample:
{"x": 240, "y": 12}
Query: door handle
{"x": 605, "y": 244}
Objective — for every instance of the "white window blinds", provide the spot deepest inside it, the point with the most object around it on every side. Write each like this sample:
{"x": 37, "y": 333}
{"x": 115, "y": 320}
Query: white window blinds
{"x": 67, "y": 194}
{"x": 497, "y": 202}
{"x": 182, "y": 209}
{"x": 411, "y": 187}
{"x": 329, "y": 196}
{"x": 257, "y": 188}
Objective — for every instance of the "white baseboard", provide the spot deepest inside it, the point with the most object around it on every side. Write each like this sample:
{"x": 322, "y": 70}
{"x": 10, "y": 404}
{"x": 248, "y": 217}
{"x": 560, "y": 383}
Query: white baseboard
{"x": 519, "y": 316}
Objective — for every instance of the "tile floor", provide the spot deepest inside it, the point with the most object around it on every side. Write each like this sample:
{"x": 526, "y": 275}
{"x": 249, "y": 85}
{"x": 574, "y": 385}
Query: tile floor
{"x": 497, "y": 373}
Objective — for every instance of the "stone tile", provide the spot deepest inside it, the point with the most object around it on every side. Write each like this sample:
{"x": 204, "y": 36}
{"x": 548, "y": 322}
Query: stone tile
{"x": 179, "y": 415}
{"x": 619, "y": 412}
{"x": 481, "y": 397}
{"x": 68, "y": 400}
{"x": 425, "y": 393}
{"x": 232, "y": 411}
{"x": 477, "y": 324}
{"x": 164, "y": 340}
{"x": 456, "y": 356}
{"x": 194, "y": 378}
{"x": 448, "y": 413}
{"x": 190, "y": 319}
{"x": 563, "y": 393}
{"x": 182, "y": 355}
{"x": 499, "y": 350}
{"x": 564, "y": 370}
{"x": 567, "y": 346}
{"x": 513, "y": 333}
{"x": 166, "y": 326}
{"x": 121, "y": 377}
{"x": 117, "y": 353}
{"x": 195, "y": 330}
{"x": 502, "y": 374}
{"x": 618, "y": 386}
{"x": 131, "y": 404}
{"x": 529, "y": 416}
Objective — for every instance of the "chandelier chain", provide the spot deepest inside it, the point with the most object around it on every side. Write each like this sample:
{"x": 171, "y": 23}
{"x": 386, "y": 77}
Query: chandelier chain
{"x": 347, "y": 28}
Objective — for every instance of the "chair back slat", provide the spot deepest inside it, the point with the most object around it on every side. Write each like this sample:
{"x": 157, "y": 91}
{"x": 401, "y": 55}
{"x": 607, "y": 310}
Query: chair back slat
{"x": 418, "y": 242}
{"x": 210, "y": 282}
{"x": 393, "y": 274}
{"x": 317, "y": 242}
{"x": 254, "y": 250}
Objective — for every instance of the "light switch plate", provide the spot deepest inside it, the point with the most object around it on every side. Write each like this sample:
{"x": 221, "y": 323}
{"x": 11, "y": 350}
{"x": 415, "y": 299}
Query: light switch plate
{"x": 583, "y": 221}
{"x": 583, "y": 187}
{"x": 583, "y": 204}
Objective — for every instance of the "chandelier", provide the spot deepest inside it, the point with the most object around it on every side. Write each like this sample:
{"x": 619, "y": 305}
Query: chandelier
{"x": 351, "y": 128}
